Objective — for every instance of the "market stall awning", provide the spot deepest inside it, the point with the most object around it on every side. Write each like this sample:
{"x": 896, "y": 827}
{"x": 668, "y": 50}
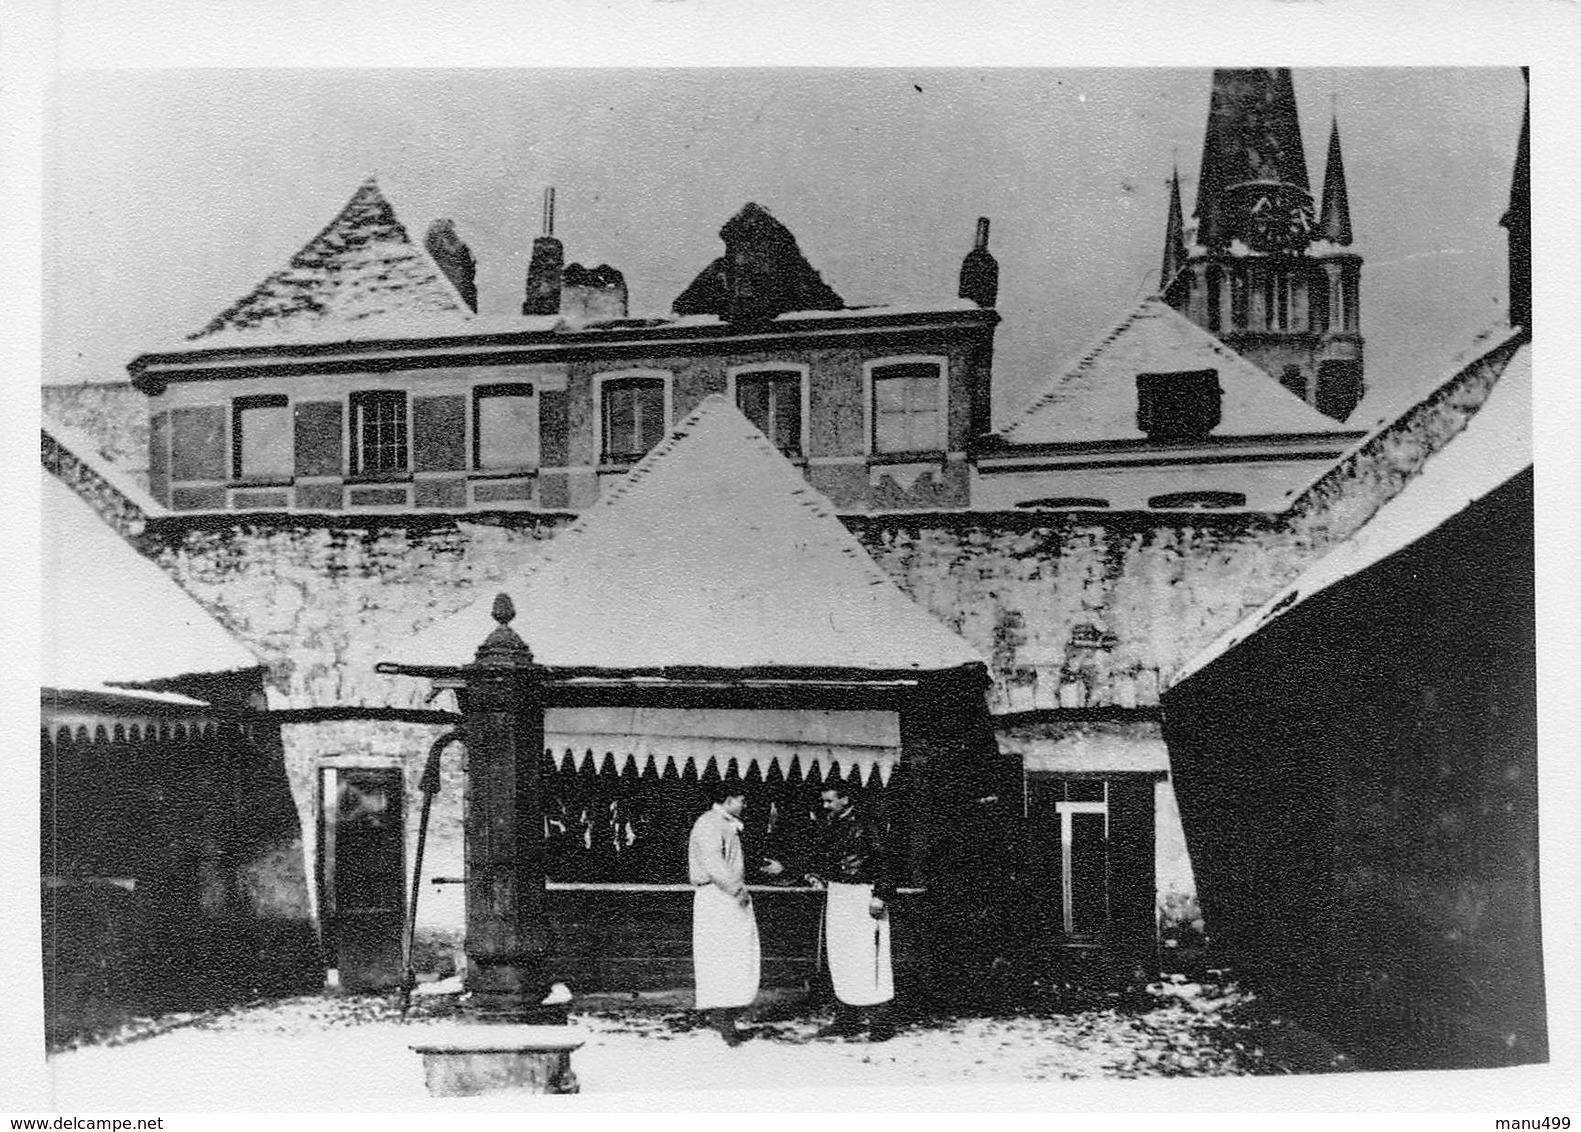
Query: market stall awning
{"x": 713, "y": 553}
{"x": 733, "y": 741}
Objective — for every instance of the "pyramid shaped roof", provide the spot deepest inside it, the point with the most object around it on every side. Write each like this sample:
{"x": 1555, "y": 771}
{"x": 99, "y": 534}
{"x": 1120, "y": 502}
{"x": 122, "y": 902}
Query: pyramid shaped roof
{"x": 362, "y": 265}
{"x": 111, "y": 616}
{"x": 1094, "y": 396}
{"x": 714, "y": 553}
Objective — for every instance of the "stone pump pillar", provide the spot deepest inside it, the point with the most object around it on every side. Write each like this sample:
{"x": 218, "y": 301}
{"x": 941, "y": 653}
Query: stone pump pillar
{"x": 507, "y": 932}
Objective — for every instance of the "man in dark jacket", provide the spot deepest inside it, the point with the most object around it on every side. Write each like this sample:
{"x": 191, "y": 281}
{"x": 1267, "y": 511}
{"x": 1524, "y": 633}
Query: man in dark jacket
{"x": 852, "y": 864}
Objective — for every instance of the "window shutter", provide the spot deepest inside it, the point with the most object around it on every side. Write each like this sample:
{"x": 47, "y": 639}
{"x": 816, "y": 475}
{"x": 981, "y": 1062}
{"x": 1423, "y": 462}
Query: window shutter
{"x": 159, "y": 457}
{"x": 439, "y": 431}
{"x": 319, "y": 438}
{"x": 197, "y": 443}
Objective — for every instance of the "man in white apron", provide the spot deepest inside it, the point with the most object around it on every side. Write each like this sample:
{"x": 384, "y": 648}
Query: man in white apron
{"x": 854, "y": 868}
{"x": 726, "y": 957}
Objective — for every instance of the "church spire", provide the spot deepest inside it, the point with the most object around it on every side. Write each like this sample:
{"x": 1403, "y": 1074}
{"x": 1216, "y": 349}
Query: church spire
{"x": 1264, "y": 272}
{"x": 1174, "y": 237}
{"x": 1334, "y": 219}
{"x": 1254, "y": 184}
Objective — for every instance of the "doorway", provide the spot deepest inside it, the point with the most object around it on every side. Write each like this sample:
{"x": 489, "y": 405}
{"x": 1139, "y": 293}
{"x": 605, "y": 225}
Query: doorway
{"x": 1068, "y": 851}
{"x": 361, "y": 866}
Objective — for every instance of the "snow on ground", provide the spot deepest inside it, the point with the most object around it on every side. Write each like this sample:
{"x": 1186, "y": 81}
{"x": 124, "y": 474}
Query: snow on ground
{"x": 338, "y": 1053}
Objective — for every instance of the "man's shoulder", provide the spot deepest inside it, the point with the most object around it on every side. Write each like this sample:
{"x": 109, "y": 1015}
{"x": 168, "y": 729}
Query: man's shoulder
{"x": 704, "y": 820}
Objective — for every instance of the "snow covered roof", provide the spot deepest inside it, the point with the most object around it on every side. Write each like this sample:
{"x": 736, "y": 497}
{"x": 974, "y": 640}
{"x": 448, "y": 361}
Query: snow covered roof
{"x": 713, "y": 552}
{"x": 1094, "y": 397}
{"x": 362, "y": 265}
{"x": 111, "y": 616}
{"x": 399, "y": 325}
{"x": 85, "y": 448}
{"x": 1495, "y": 445}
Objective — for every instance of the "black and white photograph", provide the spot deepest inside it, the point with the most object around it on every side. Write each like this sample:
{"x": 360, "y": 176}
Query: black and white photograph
{"x": 954, "y": 579}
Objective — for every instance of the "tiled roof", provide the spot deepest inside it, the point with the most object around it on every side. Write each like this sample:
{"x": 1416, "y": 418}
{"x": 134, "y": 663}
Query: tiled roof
{"x": 112, "y": 616}
{"x": 715, "y": 553}
{"x": 1094, "y": 397}
{"x": 1495, "y": 445}
{"x": 362, "y": 265}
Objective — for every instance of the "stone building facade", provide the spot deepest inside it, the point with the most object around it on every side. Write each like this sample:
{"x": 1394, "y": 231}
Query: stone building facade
{"x": 360, "y": 379}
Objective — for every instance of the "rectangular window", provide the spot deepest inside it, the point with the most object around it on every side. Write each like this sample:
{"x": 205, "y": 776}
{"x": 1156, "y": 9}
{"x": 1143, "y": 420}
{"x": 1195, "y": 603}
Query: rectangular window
{"x": 504, "y": 427}
{"x": 633, "y": 418}
{"x": 908, "y": 408}
{"x": 1240, "y": 317}
{"x": 261, "y": 430}
{"x": 378, "y": 432}
{"x": 772, "y": 401}
{"x": 1215, "y": 284}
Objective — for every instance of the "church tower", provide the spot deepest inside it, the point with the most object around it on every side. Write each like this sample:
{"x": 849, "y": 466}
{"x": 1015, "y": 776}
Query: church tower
{"x": 1273, "y": 277}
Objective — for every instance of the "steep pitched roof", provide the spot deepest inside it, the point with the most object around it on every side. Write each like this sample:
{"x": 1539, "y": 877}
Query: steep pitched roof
{"x": 1334, "y": 219}
{"x": 1094, "y": 397}
{"x": 1253, "y": 139}
{"x": 1174, "y": 237}
{"x": 775, "y": 276}
{"x": 1495, "y": 445}
{"x": 362, "y": 265}
{"x": 111, "y": 616}
{"x": 715, "y": 553}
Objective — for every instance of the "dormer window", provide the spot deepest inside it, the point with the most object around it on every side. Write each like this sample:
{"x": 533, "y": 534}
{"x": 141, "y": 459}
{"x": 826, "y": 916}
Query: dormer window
{"x": 1178, "y": 407}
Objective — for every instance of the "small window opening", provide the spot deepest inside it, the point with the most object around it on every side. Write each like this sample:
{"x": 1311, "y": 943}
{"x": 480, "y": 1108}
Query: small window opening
{"x": 1182, "y": 406}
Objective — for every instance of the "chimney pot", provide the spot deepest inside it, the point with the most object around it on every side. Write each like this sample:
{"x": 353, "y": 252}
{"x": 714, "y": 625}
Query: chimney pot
{"x": 980, "y": 270}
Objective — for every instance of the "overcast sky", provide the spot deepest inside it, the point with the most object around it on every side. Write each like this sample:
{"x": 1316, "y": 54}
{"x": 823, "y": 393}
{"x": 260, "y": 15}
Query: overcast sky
{"x": 169, "y": 194}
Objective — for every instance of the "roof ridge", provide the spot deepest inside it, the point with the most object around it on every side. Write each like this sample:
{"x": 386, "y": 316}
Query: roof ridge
{"x": 1070, "y": 361}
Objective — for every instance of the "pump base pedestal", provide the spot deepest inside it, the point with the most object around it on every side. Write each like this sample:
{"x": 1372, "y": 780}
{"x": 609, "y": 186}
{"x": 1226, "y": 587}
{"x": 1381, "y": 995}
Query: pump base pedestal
{"x": 465, "y": 1061}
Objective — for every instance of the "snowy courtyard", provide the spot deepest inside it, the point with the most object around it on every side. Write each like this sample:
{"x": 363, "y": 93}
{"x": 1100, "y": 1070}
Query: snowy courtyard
{"x": 334, "y": 1053}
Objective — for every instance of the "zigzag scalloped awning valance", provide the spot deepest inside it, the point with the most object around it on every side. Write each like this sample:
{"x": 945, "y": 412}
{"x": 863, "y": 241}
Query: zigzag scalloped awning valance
{"x": 733, "y": 739}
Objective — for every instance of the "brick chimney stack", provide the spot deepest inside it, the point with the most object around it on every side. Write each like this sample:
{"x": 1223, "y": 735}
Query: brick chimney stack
{"x": 545, "y": 269}
{"x": 980, "y": 270}
{"x": 454, "y": 258}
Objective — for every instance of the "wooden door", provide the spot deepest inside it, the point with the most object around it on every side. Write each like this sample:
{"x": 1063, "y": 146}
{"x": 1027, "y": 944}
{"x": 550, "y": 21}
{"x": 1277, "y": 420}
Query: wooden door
{"x": 1068, "y": 857}
{"x": 362, "y": 862}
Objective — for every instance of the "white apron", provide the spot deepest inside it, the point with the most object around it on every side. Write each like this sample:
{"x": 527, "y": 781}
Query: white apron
{"x": 858, "y": 947}
{"x": 725, "y": 953}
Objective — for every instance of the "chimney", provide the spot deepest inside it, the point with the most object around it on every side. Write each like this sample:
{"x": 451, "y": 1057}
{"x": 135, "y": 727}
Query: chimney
{"x": 544, "y": 270}
{"x": 980, "y": 271}
{"x": 593, "y": 294}
{"x": 454, "y": 258}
